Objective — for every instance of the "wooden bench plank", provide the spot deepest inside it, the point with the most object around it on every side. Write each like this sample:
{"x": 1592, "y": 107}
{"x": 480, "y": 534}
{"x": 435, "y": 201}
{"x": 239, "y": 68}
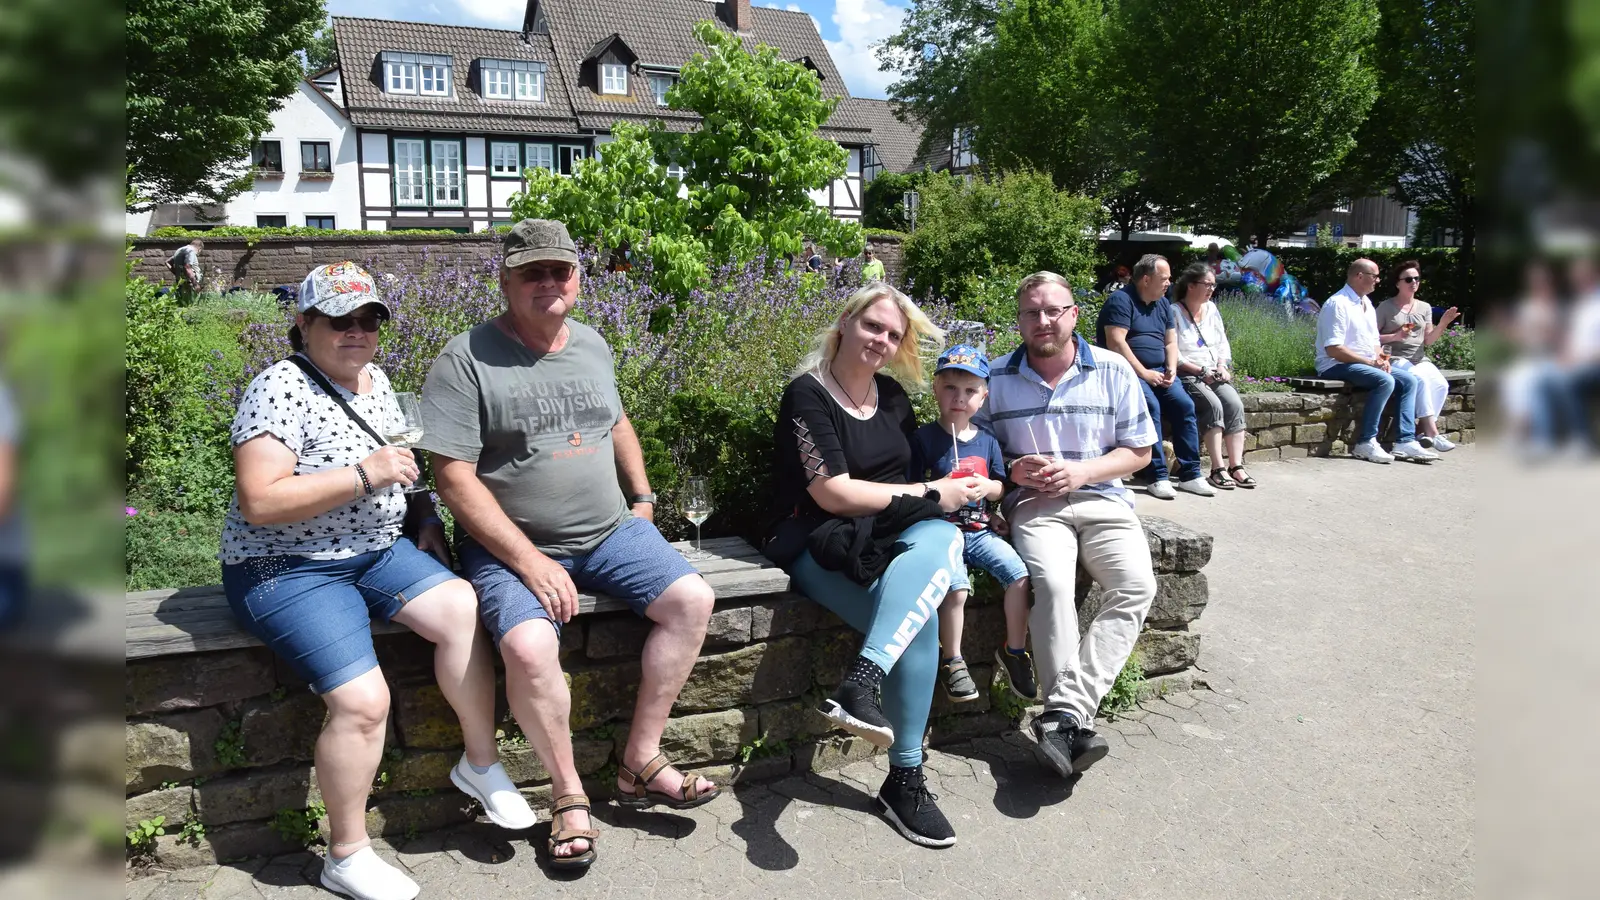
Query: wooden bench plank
{"x": 194, "y": 619}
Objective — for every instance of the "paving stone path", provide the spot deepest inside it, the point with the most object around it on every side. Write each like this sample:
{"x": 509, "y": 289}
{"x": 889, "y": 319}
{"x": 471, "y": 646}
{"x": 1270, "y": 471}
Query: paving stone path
{"x": 1331, "y": 755}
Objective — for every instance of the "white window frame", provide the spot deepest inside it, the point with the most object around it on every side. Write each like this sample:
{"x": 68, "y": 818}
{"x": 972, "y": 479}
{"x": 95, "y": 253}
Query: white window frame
{"x": 613, "y": 78}
{"x": 503, "y": 159}
{"x": 541, "y": 156}
{"x": 659, "y": 85}
{"x": 497, "y": 83}
{"x": 575, "y": 154}
{"x": 530, "y": 86}
{"x": 440, "y": 76}
{"x": 400, "y": 78}
{"x": 445, "y": 179}
{"x": 675, "y": 170}
{"x": 413, "y": 179}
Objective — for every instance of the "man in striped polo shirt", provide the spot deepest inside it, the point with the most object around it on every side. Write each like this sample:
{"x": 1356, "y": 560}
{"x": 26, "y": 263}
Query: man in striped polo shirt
{"x": 1072, "y": 423}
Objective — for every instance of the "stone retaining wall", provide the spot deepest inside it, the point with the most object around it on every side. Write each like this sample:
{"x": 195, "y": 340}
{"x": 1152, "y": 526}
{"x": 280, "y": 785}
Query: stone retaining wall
{"x": 267, "y": 262}
{"x": 225, "y": 738}
{"x": 1300, "y": 424}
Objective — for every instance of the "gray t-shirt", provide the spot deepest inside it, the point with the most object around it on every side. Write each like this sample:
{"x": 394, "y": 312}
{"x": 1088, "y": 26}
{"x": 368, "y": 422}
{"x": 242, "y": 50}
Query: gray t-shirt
{"x": 539, "y": 428}
{"x": 13, "y": 537}
{"x": 1390, "y": 318}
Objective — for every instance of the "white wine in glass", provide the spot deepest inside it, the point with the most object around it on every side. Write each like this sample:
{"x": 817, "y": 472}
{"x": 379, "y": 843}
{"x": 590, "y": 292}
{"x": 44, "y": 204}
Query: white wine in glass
{"x": 404, "y": 427}
{"x": 696, "y": 508}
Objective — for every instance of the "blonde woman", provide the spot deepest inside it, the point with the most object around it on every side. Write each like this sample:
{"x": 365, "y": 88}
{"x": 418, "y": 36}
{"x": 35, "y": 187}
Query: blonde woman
{"x": 843, "y": 448}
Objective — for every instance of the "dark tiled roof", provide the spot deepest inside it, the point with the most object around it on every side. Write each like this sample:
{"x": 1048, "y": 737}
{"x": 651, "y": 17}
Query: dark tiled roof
{"x": 896, "y": 140}
{"x": 361, "y": 40}
{"x": 661, "y": 32}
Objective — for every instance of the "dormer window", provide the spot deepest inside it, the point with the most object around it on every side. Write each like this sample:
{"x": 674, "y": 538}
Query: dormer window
{"x": 613, "y": 78}
{"x": 509, "y": 79}
{"x": 659, "y": 85}
{"x": 416, "y": 73}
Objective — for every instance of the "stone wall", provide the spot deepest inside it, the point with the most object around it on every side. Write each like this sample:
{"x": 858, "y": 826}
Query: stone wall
{"x": 265, "y": 263}
{"x": 225, "y": 738}
{"x": 1323, "y": 423}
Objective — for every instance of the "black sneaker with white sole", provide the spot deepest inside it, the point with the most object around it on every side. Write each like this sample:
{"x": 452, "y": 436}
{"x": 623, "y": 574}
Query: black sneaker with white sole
{"x": 909, "y": 806}
{"x": 855, "y": 708}
{"x": 1053, "y": 730}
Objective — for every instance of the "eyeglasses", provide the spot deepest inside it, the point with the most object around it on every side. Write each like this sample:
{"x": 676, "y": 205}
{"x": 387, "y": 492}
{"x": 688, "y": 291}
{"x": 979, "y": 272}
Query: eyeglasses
{"x": 369, "y": 323}
{"x": 555, "y": 272}
{"x": 1045, "y": 313}
{"x": 1411, "y": 279}
{"x": 1206, "y": 285}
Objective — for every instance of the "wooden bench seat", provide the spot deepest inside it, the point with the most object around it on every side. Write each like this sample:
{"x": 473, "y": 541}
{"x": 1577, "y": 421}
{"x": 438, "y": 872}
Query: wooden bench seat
{"x": 186, "y": 620}
{"x": 1335, "y": 385}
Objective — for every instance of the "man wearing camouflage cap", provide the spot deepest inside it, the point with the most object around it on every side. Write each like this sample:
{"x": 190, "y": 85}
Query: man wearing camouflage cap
{"x": 545, "y": 476}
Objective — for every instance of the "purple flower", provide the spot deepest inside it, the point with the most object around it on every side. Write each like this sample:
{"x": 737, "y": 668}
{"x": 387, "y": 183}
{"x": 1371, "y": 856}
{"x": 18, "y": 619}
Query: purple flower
{"x": 129, "y": 511}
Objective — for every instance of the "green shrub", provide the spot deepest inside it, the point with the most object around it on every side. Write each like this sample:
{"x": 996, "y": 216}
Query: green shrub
{"x": 295, "y": 231}
{"x": 1017, "y": 223}
{"x": 883, "y": 204}
{"x": 171, "y": 548}
{"x": 1266, "y": 342}
{"x": 1455, "y": 349}
{"x": 1124, "y": 693}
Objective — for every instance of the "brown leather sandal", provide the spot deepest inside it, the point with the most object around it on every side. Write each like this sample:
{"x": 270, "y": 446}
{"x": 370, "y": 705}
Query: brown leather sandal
{"x": 560, "y": 836}
{"x": 644, "y": 798}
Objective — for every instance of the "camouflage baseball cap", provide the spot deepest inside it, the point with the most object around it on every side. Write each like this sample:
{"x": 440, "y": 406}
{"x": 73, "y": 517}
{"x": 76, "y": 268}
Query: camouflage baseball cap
{"x": 539, "y": 240}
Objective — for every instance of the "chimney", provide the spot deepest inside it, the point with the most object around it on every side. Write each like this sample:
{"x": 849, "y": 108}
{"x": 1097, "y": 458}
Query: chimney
{"x": 736, "y": 13}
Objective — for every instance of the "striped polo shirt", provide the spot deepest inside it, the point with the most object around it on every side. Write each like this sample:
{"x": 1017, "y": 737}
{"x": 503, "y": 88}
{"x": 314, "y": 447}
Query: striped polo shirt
{"x": 1097, "y": 407}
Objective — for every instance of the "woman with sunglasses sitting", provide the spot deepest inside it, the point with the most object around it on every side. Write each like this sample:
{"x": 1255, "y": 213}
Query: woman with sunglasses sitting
{"x": 312, "y": 551}
{"x": 1405, "y": 325}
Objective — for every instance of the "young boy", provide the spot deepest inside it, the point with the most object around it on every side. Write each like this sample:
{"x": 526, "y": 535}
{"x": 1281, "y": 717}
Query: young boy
{"x": 954, "y": 444}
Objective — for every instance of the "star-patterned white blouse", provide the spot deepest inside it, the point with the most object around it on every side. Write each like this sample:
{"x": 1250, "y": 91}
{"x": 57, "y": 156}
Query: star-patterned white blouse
{"x": 283, "y": 402}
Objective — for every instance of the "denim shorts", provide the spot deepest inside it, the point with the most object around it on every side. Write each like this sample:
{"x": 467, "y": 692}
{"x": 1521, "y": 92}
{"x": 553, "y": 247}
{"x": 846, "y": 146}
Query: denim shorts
{"x": 634, "y": 563}
{"x": 317, "y": 613}
{"x": 990, "y": 553}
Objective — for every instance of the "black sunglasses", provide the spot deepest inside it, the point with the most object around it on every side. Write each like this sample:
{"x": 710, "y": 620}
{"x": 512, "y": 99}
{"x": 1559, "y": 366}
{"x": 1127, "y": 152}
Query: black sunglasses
{"x": 557, "y": 272}
{"x": 1411, "y": 279}
{"x": 369, "y": 323}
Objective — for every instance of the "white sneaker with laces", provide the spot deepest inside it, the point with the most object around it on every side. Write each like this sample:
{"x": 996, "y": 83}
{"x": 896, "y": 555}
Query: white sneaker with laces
{"x": 1442, "y": 443}
{"x": 495, "y": 790}
{"x": 365, "y": 876}
{"x": 1198, "y": 486}
{"x": 1371, "y": 452}
{"x": 1161, "y": 490}
{"x": 1414, "y": 451}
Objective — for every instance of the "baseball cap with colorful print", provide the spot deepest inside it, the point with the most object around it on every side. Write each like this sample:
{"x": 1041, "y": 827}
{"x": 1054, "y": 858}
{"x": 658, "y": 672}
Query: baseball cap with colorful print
{"x": 339, "y": 289}
{"x": 965, "y": 358}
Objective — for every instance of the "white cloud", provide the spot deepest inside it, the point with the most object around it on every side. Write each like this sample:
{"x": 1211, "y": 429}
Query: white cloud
{"x": 497, "y": 13}
{"x": 863, "y": 23}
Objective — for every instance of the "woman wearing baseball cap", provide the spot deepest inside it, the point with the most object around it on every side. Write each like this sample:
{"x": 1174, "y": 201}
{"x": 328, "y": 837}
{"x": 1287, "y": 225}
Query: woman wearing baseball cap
{"x": 312, "y": 551}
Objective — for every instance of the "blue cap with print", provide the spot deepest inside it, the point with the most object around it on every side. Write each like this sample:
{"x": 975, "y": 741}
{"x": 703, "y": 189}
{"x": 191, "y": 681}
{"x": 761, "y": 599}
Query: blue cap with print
{"x": 966, "y": 358}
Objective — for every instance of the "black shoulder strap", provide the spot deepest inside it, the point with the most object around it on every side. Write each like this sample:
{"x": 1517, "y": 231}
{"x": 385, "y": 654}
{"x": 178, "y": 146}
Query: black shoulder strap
{"x": 322, "y": 382}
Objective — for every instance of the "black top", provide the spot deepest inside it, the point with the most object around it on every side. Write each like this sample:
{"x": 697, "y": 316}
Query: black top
{"x": 814, "y": 437}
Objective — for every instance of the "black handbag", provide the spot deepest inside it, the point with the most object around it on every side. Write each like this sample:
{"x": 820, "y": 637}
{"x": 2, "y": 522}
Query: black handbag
{"x": 419, "y": 505}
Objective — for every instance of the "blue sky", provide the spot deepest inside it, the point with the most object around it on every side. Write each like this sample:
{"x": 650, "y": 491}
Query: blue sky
{"x": 849, "y": 26}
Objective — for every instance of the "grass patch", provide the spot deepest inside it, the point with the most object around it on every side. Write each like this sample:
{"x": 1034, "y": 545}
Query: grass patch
{"x": 1124, "y": 693}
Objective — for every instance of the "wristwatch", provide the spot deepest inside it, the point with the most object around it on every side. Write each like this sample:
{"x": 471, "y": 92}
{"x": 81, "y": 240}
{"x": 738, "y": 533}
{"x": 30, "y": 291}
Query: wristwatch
{"x": 929, "y": 493}
{"x": 642, "y": 498}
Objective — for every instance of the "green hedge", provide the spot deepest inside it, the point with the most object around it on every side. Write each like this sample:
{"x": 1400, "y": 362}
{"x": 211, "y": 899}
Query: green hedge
{"x": 247, "y": 231}
{"x": 1446, "y": 279}
{"x": 883, "y": 205}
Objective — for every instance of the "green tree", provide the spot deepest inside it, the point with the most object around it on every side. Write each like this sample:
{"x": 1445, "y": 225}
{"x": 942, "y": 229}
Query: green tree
{"x": 321, "y": 52}
{"x": 934, "y": 51}
{"x": 748, "y": 171}
{"x": 1244, "y": 109}
{"x": 1002, "y": 227}
{"x": 204, "y": 76}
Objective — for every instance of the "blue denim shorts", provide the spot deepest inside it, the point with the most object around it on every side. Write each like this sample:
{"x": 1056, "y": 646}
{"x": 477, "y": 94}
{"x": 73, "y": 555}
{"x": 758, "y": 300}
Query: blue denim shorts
{"x": 990, "y": 553}
{"x": 634, "y": 564}
{"x": 317, "y": 613}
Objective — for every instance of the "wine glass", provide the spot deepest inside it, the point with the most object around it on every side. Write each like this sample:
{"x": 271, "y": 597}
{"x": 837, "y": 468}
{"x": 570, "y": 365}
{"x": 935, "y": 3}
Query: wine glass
{"x": 696, "y": 501}
{"x": 403, "y": 428}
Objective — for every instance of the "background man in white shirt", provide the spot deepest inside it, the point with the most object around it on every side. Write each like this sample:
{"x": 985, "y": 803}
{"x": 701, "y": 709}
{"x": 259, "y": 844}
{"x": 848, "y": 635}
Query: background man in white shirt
{"x": 1348, "y": 349}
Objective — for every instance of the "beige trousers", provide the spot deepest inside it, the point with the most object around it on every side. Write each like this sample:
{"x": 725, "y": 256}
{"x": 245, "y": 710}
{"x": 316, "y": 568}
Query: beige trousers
{"x": 1052, "y": 537}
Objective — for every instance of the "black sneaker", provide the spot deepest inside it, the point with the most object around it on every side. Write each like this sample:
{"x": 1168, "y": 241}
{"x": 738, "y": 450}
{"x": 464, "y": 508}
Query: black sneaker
{"x": 1019, "y": 673}
{"x": 1053, "y": 730}
{"x": 909, "y": 805}
{"x": 855, "y": 708}
{"x": 1088, "y": 748}
{"x": 958, "y": 681}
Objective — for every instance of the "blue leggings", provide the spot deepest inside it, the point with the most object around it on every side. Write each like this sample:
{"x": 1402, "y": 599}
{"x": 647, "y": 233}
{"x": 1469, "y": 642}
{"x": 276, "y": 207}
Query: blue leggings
{"x": 899, "y": 614}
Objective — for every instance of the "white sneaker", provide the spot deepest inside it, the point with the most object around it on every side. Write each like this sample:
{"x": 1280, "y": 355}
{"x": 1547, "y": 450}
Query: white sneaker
{"x": 1442, "y": 443}
{"x": 1198, "y": 486}
{"x": 364, "y": 876}
{"x": 1371, "y": 452}
{"x": 499, "y": 796}
{"x": 1413, "y": 451}
{"x": 1161, "y": 490}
